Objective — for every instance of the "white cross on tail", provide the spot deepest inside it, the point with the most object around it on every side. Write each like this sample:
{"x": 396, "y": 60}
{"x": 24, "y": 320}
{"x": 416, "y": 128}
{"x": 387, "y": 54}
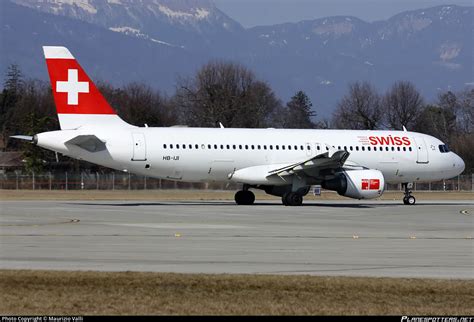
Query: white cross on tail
{"x": 72, "y": 87}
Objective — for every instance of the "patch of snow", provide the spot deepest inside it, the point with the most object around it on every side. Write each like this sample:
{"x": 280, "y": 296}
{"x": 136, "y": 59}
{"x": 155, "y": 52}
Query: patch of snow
{"x": 202, "y": 13}
{"x": 336, "y": 29}
{"x": 449, "y": 51}
{"x": 325, "y": 82}
{"x": 368, "y": 63}
{"x": 264, "y": 36}
{"x": 125, "y": 29}
{"x": 114, "y": 1}
{"x": 173, "y": 14}
{"x": 162, "y": 42}
{"x": 83, "y": 4}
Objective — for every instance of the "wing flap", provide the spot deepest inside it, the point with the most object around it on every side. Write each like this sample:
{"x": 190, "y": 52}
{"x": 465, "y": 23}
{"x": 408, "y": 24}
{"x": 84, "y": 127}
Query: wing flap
{"x": 321, "y": 161}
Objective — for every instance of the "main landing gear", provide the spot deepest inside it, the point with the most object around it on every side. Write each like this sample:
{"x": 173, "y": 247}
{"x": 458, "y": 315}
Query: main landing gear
{"x": 292, "y": 199}
{"x": 244, "y": 197}
{"x": 408, "y": 199}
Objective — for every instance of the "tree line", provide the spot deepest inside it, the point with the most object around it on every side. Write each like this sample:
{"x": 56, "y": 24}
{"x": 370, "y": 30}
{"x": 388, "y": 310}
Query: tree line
{"x": 231, "y": 94}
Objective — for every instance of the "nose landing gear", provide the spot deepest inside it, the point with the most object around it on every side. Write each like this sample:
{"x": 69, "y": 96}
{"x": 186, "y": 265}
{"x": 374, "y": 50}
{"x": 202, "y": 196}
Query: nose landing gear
{"x": 244, "y": 197}
{"x": 408, "y": 199}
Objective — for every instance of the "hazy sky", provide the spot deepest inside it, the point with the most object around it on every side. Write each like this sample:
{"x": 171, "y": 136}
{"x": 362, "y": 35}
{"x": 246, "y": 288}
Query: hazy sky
{"x": 266, "y": 12}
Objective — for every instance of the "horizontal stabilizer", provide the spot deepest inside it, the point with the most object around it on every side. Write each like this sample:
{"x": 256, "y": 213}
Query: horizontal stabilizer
{"x": 89, "y": 143}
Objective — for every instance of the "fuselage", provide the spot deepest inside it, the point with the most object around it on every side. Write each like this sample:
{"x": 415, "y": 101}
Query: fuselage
{"x": 213, "y": 154}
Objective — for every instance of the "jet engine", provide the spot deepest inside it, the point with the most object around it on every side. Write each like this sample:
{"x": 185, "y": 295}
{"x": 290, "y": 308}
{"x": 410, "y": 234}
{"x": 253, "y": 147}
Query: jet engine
{"x": 357, "y": 184}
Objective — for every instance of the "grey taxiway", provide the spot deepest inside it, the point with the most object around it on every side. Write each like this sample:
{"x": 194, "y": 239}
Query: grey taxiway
{"x": 372, "y": 238}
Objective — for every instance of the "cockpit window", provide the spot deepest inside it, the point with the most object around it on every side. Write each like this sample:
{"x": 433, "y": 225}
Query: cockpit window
{"x": 443, "y": 148}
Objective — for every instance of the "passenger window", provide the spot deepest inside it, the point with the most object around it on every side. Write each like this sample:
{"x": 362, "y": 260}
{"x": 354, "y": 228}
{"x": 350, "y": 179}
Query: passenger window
{"x": 386, "y": 148}
{"x": 318, "y": 147}
{"x": 301, "y": 147}
{"x": 177, "y": 146}
{"x": 246, "y": 147}
{"x": 368, "y": 148}
{"x": 215, "y": 146}
{"x": 240, "y": 147}
{"x": 190, "y": 146}
{"x": 164, "y": 146}
{"x": 258, "y": 147}
{"x": 345, "y": 148}
{"x": 296, "y": 147}
{"x": 398, "y": 148}
{"x": 363, "y": 148}
{"x": 409, "y": 148}
{"x": 271, "y": 147}
{"x": 350, "y": 148}
{"x": 381, "y": 148}
{"x": 222, "y": 147}
{"x": 196, "y": 146}
{"x": 327, "y": 148}
{"x": 209, "y": 146}
{"x": 184, "y": 146}
{"x": 357, "y": 148}
{"x": 171, "y": 146}
{"x": 233, "y": 147}
{"x": 264, "y": 147}
{"x": 404, "y": 148}
{"x": 283, "y": 147}
{"x": 252, "y": 147}
{"x": 393, "y": 148}
{"x": 277, "y": 147}
{"x": 227, "y": 146}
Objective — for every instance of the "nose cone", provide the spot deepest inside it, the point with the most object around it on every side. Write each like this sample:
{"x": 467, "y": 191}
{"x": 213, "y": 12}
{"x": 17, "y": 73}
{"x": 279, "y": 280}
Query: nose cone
{"x": 459, "y": 164}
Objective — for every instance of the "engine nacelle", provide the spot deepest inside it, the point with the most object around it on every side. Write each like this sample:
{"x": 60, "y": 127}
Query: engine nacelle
{"x": 357, "y": 184}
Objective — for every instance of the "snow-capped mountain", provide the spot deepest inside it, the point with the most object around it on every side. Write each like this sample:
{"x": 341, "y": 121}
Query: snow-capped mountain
{"x": 182, "y": 23}
{"x": 156, "y": 41}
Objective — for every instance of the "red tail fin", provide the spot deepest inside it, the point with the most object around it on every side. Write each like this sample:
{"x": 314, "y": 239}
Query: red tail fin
{"x": 74, "y": 92}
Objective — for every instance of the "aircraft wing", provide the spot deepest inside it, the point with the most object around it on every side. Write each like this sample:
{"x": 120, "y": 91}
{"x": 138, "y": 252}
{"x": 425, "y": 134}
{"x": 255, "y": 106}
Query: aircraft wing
{"x": 323, "y": 162}
{"x": 90, "y": 143}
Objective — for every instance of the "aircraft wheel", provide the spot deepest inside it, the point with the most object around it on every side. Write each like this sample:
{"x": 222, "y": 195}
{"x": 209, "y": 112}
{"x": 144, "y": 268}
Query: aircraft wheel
{"x": 411, "y": 200}
{"x": 243, "y": 197}
{"x": 293, "y": 199}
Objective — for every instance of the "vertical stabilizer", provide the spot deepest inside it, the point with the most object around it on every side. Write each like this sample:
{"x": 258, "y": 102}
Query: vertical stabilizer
{"x": 78, "y": 101}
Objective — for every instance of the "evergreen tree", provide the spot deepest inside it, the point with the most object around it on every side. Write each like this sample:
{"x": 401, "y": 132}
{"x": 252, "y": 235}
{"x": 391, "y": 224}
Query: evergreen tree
{"x": 299, "y": 112}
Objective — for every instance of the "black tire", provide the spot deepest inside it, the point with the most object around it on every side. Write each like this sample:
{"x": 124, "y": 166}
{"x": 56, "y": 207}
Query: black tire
{"x": 294, "y": 199}
{"x": 244, "y": 197}
{"x": 284, "y": 200}
{"x": 239, "y": 197}
{"x": 411, "y": 200}
{"x": 249, "y": 197}
{"x": 405, "y": 200}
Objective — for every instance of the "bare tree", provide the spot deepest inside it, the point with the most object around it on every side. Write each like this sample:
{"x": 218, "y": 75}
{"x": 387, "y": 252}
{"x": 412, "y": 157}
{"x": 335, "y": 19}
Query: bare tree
{"x": 359, "y": 109}
{"x": 228, "y": 93}
{"x": 139, "y": 104}
{"x": 402, "y": 105}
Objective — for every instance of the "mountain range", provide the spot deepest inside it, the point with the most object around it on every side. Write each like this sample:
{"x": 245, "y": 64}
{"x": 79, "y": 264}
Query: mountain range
{"x": 160, "y": 41}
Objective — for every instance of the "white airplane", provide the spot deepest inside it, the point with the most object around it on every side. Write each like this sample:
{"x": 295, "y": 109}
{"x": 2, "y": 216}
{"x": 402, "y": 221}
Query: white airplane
{"x": 282, "y": 162}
